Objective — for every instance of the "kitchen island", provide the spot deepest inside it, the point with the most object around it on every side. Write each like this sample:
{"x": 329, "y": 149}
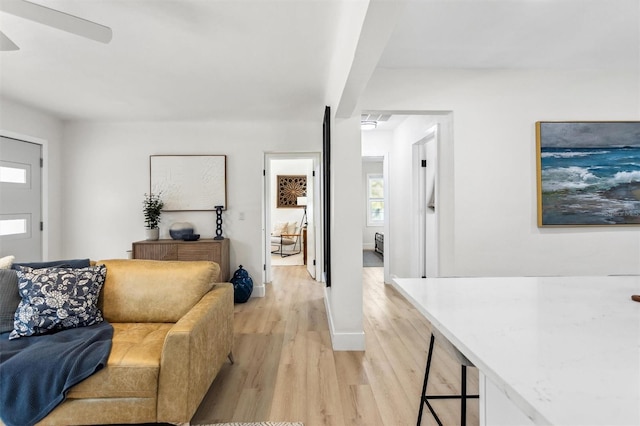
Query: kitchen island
{"x": 550, "y": 350}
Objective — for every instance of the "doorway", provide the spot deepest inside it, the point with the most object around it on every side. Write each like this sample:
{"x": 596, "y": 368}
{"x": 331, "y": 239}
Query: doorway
{"x": 290, "y": 199}
{"x": 374, "y": 211}
{"x": 419, "y": 213}
{"x": 21, "y": 199}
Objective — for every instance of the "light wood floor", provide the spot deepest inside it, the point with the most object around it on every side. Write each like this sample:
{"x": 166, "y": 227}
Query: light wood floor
{"x": 285, "y": 369}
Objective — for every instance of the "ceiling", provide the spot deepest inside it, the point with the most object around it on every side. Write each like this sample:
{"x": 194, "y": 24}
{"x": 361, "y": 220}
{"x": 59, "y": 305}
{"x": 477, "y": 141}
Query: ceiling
{"x": 272, "y": 59}
{"x": 517, "y": 34}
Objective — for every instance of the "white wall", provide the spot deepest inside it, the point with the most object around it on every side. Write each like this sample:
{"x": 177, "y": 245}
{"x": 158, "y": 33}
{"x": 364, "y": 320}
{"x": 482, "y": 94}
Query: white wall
{"x": 344, "y": 298}
{"x": 107, "y": 173}
{"x": 17, "y": 120}
{"x": 494, "y": 229}
{"x": 368, "y": 232}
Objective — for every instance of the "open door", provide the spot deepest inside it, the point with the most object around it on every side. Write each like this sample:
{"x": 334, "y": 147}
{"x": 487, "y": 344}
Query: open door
{"x": 425, "y": 166}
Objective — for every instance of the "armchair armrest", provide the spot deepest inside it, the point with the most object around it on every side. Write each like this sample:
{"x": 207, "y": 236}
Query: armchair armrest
{"x": 194, "y": 350}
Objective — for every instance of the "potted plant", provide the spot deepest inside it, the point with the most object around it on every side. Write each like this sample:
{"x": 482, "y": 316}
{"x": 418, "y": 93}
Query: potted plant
{"x": 152, "y": 209}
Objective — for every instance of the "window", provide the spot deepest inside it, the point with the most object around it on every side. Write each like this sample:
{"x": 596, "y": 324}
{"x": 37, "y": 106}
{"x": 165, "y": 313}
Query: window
{"x": 375, "y": 200}
{"x": 16, "y": 226}
{"x": 12, "y": 174}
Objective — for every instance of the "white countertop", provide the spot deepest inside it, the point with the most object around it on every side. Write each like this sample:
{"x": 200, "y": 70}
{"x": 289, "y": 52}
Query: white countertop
{"x": 565, "y": 350}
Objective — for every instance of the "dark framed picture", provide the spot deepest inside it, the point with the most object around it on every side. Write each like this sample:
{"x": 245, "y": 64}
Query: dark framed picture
{"x": 588, "y": 173}
{"x": 290, "y": 187}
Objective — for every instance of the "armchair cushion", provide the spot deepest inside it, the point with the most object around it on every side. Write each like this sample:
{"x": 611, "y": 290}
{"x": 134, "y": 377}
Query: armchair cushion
{"x": 280, "y": 228}
{"x": 285, "y": 240}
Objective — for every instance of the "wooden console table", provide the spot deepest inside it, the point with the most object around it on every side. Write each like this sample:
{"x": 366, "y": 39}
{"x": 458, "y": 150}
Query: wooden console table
{"x": 204, "y": 249}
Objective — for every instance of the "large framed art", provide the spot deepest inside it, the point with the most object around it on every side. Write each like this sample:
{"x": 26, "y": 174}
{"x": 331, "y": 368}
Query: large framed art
{"x": 588, "y": 173}
{"x": 189, "y": 182}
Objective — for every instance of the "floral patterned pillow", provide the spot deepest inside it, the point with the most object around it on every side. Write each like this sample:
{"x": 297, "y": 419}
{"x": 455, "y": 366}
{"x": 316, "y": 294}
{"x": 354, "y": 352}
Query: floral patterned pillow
{"x": 55, "y": 299}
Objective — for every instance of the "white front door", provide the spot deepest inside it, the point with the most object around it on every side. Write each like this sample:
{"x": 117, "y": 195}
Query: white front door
{"x": 20, "y": 199}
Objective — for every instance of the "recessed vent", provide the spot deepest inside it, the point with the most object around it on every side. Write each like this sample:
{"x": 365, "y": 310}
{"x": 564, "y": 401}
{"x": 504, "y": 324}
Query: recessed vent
{"x": 375, "y": 117}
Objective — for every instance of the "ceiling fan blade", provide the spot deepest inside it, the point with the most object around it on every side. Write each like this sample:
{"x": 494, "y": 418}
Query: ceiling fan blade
{"x": 60, "y": 20}
{"x": 6, "y": 44}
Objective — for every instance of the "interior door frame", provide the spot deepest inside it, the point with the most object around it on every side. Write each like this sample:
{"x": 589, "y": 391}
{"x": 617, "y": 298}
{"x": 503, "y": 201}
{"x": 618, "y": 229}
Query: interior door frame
{"x": 44, "y": 195}
{"x": 266, "y": 210}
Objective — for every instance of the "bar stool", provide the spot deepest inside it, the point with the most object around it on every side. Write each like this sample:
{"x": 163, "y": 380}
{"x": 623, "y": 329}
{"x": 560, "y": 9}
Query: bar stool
{"x": 464, "y": 362}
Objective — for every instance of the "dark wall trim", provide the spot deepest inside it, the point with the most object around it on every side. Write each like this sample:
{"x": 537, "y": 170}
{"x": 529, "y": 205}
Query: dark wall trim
{"x": 326, "y": 192}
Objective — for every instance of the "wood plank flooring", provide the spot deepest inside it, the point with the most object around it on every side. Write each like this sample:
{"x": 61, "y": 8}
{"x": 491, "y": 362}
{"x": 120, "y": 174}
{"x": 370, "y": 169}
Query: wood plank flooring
{"x": 286, "y": 370}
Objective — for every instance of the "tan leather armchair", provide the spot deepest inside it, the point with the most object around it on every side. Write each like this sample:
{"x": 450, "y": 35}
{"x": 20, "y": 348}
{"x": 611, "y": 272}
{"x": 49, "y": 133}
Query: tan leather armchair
{"x": 173, "y": 331}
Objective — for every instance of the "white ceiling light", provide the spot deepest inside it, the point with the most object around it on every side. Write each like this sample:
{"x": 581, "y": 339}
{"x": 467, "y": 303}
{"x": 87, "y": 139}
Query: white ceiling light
{"x": 368, "y": 125}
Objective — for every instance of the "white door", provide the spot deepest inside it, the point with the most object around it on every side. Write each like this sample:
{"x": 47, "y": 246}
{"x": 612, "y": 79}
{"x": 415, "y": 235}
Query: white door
{"x": 420, "y": 167}
{"x": 20, "y": 200}
{"x": 425, "y": 242}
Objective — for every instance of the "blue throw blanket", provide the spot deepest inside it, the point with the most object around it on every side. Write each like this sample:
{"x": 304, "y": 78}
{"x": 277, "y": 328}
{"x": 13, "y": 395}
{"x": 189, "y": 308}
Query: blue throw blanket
{"x": 36, "y": 372}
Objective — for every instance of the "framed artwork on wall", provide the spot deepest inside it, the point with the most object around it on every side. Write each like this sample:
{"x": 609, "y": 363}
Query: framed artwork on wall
{"x": 290, "y": 187}
{"x": 189, "y": 182}
{"x": 588, "y": 173}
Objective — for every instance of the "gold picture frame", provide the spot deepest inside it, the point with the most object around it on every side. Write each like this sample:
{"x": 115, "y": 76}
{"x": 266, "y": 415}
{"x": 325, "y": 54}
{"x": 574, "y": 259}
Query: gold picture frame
{"x": 588, "y": 173}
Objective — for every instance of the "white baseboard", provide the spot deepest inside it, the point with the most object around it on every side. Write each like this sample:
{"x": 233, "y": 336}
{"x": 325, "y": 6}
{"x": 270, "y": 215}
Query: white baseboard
{"x": 259, "y": 290}
{"x": 347, "y": 341}
{"x": 342, "y": 341}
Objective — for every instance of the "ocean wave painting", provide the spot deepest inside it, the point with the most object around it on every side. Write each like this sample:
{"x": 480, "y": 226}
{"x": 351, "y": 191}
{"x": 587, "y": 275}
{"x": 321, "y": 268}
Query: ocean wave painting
{"x": 588, "y": 173}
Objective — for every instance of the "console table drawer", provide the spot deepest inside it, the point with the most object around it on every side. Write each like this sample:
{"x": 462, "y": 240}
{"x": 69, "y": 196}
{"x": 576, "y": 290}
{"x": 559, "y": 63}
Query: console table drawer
{"x": 199, "y": 251}
{"x": 205, "y": 249}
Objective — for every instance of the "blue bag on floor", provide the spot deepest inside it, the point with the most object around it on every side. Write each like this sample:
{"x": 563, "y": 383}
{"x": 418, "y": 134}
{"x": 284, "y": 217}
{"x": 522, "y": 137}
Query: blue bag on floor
{"x": 242, "y": 285}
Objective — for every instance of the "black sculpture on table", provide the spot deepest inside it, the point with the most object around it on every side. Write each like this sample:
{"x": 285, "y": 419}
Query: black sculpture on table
{"x": 218, "y": 223}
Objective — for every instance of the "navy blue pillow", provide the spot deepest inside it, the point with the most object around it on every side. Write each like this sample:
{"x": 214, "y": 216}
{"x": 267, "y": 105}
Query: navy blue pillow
{"x": 54, "y": 299}
{"x": 71, "y": 263}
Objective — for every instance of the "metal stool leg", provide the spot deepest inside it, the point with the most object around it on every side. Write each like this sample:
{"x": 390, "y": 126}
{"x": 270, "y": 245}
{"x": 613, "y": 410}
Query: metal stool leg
{"x": 424, "y": 399}
{"x": 426, "y": 380}
{"x": 463, "y": 399}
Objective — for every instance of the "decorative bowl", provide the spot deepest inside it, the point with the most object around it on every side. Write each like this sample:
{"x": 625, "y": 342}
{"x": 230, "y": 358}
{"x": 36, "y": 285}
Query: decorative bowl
{"x": 191, "y": 237}
{"x": 179, "y": 230}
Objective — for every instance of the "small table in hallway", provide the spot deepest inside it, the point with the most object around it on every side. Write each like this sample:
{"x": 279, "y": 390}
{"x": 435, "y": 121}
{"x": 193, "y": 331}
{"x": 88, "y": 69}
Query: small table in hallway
{"x": 304, "y": 245}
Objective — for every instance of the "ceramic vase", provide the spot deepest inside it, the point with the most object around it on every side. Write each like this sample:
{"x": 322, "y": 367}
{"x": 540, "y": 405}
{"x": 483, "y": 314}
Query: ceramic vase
{"x": 152, "y": 234}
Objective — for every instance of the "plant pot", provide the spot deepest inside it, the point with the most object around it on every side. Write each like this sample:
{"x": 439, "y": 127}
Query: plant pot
{"x": 152, "y": 234}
